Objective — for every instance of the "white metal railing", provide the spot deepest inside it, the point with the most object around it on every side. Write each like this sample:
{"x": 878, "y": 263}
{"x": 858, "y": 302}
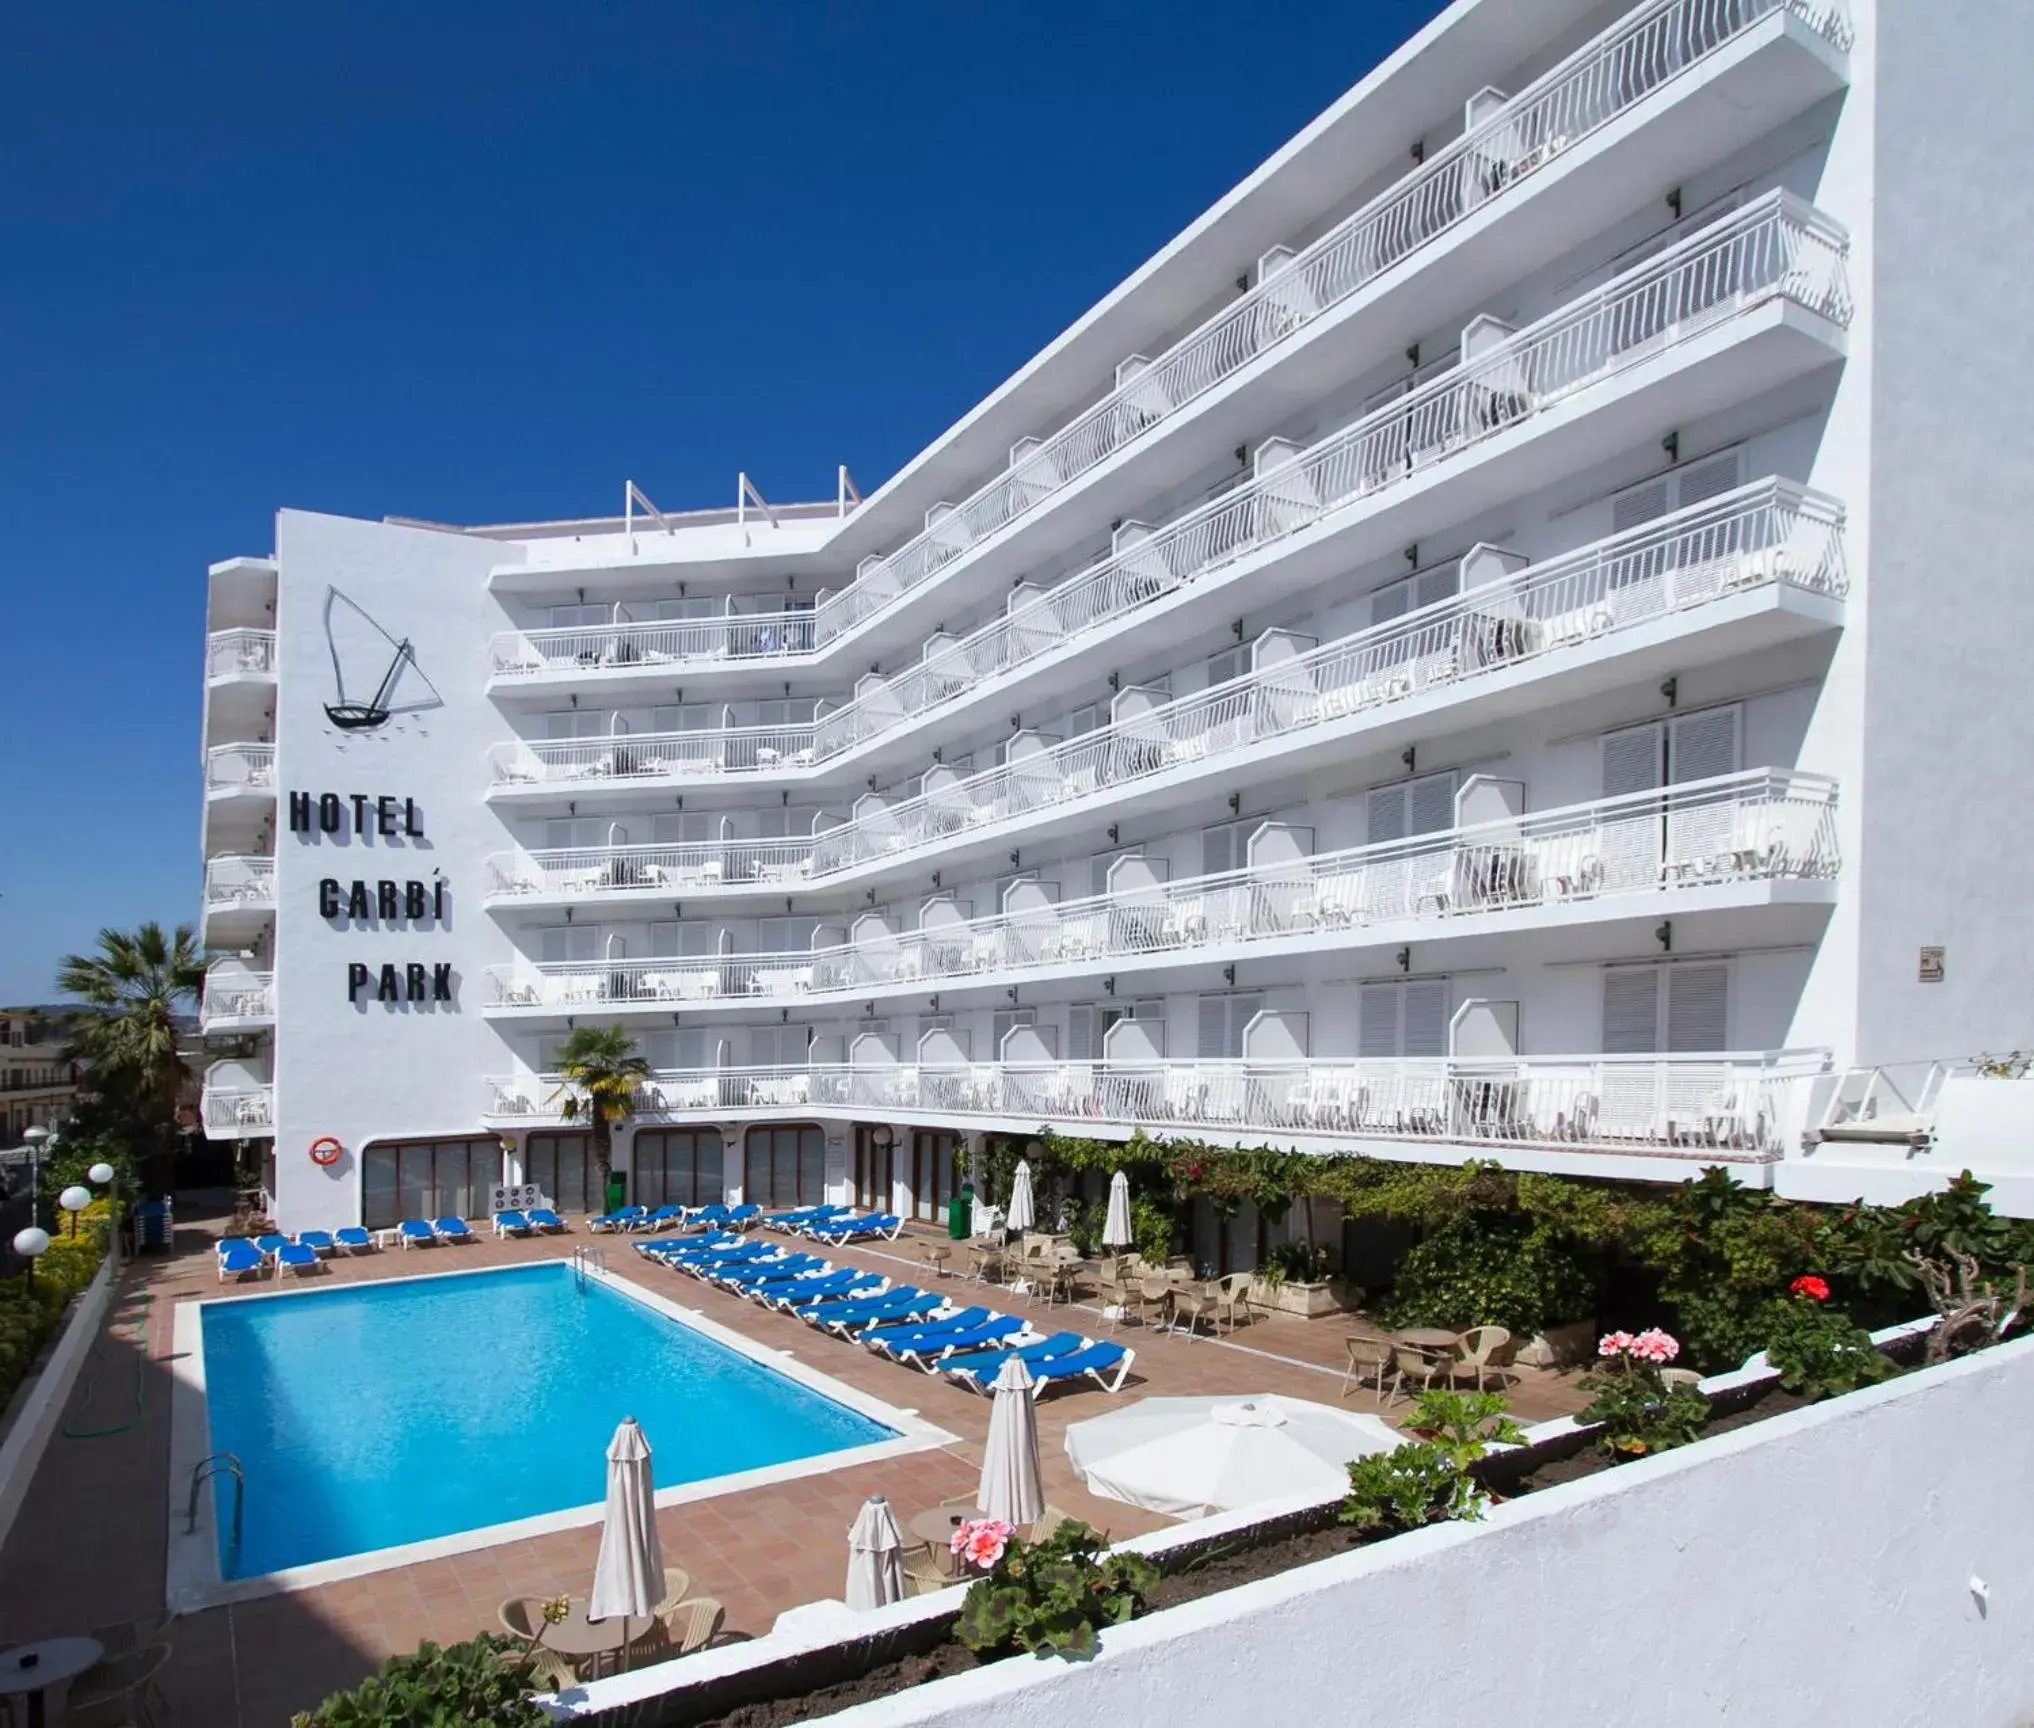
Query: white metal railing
{"x": 1764, "y": 825}
{"x": 240, "y": 768}
{"x": 238, "y": 1109}
{"x": 1603, "y": 79}
{"x": 237, "y": 996}
{"x": 1775, "y": 247}
{"x": 239, "y": 879}
{"x": 1729, "y": 1108}
{"x": 240, "y": 654}
{"x": 1770, "y": 533}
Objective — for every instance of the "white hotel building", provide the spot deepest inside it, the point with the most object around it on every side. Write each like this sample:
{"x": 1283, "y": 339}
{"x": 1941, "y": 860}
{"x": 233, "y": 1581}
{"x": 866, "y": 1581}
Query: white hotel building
{"x": 1499, "y": 641}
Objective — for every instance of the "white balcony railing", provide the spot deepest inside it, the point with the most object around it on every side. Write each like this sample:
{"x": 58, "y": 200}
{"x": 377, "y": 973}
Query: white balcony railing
{"x": 1770, "y": 533}
{"x": 240, "y": 654}
{"x": 239, "y": 1110}
{"x": 1602, "y": 80}
{"x": 237, "y": 997}
{"x": 240, "y": 768}
{"x": 1767, "y": 825}
{"x": 1726, "y": 1108}
{"x": 239, "y": 880}
{"x": 1774, "y": 247}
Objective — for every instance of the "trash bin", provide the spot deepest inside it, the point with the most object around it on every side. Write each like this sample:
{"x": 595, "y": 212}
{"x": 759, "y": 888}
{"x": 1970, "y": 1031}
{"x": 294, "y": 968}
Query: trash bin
{"x": 617, "y": 1193}
{"x": 152, "y": 1224}
{"x": 960, "y": 1213}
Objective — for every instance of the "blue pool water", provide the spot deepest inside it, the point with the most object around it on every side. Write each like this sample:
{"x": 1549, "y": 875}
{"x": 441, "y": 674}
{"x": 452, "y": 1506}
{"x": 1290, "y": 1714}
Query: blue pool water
{"x": 376, "y": 1414}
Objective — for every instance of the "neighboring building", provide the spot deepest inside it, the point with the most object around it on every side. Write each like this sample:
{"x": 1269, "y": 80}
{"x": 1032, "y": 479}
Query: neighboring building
{"x": 39, "y": 1085}
{"x": 1490, "y": 644}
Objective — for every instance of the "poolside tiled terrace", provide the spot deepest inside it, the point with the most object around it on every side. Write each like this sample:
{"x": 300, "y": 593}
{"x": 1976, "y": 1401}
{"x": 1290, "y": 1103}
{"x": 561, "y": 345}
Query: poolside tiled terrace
{"x": 89, "y": 1546}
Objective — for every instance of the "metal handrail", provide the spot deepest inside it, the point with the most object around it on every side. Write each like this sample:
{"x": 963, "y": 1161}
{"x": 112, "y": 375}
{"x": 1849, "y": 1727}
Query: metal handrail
{"x": 1603, "y": 79}
{"x": 219, "y": 1464}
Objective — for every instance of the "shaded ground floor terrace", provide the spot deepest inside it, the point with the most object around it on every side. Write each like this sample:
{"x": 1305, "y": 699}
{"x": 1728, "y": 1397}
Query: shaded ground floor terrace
{"x": 90, "y": 1546}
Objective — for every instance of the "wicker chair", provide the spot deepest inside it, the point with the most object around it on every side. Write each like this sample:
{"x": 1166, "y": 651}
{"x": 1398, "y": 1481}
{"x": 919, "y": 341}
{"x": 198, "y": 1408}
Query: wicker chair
{"x": 1416, "y": 1363}
{"x": 120, "y": 1691}
{"x": 125, "y": 1635}
{"x": 677, "y": 1582}
{"x": 1369, "y": 1359}
{"x": 693, "y": 1625}
{"x": 550, "y": 1672}
{"x": 1481, "y": 1345}
{"x": 521, "y": 1616}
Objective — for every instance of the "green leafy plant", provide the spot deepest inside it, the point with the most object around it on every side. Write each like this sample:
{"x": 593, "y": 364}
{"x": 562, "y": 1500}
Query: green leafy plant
{"x": 1639, "y": 1411}
{"x": 1427, "y": 1480}
{"x": 1053, "y": 1597}
{"x": 1294, "y": 1262}
{"x": 1491, "y": 1269}
{"x": 599, "y": 1072}
{"x": 1818, "y": 1349}
{"x": 483, "y": 1681}
{"x": 1465, "y": 1425}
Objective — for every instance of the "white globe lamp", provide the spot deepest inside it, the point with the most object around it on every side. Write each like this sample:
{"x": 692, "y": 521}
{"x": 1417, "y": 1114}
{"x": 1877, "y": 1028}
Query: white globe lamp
{"x": 31, "y": 1244}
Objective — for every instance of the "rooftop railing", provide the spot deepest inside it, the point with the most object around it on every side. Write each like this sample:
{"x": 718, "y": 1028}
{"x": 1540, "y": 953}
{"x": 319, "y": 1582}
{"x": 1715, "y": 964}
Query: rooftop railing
{"x": 1742, "y": 1108}
{"x": 1770, "y": 533}
{"x": 239, "y": 879}
{"x": 1775, "y": 247}
{"x": 240, "y": 996}
{"x": 240, "y": 654}
{"x": 1766, "y": 825}
{"x": 240, "y": 768}
{"x": 1600, "y": 81}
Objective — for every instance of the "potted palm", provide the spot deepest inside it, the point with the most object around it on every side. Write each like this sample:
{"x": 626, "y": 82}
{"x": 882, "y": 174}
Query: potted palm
{"x": 599, "y": 1073}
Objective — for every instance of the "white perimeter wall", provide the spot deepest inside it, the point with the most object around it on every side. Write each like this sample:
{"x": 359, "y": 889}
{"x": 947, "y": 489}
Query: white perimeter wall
{"x": 1813, "y": 1569}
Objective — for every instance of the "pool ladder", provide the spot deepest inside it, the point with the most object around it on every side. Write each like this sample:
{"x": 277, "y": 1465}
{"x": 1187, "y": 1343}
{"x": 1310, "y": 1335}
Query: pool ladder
{"x": 584, "y": 1259}
{"x": 218, "y": 1464}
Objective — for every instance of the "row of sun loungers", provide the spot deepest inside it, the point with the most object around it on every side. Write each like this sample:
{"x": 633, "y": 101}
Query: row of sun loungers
{"x": 968, "y": 1345}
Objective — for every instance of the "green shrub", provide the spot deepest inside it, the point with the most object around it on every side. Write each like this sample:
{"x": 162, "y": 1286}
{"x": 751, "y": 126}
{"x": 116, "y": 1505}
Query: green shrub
{"x": 1426, "y": 1481}
{"x": 483, "y": 1681}
{"x": 1491, "y": 1269}
{"x": 1819, "y": 1350}
{"x": 1052, "y": 1597}
{"x": 1639, "y": 1411}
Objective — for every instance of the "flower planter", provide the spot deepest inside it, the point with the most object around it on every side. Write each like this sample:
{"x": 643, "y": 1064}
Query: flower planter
{"x": 1307, "y": 1301}
{"x": 1566, "y": 1346}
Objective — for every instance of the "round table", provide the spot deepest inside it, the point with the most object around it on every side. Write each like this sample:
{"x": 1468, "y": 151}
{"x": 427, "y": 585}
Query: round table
{"x": 1428, "y": 1337}
{"x": 577, "y": 1636}
{"x": 936, "y": 1527}
{"x": 52, "y": 1662}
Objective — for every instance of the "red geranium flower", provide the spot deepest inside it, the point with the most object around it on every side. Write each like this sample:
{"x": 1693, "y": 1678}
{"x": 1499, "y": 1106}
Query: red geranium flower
{"x": 1814, "y": 1288}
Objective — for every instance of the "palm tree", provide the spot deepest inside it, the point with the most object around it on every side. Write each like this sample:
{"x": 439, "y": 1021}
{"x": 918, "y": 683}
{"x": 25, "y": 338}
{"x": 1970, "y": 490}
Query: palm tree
{"x": 139, "y": 982}
{"x": 600, "y": 1071}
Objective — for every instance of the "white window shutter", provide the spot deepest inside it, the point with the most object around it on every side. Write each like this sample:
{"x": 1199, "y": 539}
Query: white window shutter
{"x": 1436, "y": 585}
{"x": 1631, "y": 761}
{"x": 1222, "y": 849}
{"x": 1242, "y": 1010}
{"x": 1080, "y": 1036}
{"x": 1703, "y": 745}
{"x": 1392, "y": 602}
{"x": 1708, "y": 478}
{"x": 1640, "y": 505}
{"x": 1377, "y": 1024}
{"x": 1697, "y": 1007}
{"x": 1433, "y": 803}
{"x": 1631, "y": 1010}
{"x": 1227, "y": 665}
{"x": 1385, "y": 811}
{"x": 1426, "y": 1018}
{"x": 1211, "y": 1044}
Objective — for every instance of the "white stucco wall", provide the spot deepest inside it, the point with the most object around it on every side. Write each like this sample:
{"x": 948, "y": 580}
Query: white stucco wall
{"x": 1814, "y": 1569}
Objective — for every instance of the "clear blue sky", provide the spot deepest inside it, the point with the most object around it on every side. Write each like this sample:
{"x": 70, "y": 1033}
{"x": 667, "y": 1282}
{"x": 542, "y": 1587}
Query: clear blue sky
{"x": 478, "y": 263}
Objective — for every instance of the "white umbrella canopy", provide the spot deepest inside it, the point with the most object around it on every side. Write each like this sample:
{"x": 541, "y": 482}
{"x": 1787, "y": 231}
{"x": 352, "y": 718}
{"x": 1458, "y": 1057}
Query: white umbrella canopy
{"x": 1010, "y": 1487}
{"x": 628, "y": 1578}
{"x": 875, "y": 1571}
{"x": 1116, "y": 1227}
{"x": 1023, "y": 1211}
{"x": 1193, "y": 1456}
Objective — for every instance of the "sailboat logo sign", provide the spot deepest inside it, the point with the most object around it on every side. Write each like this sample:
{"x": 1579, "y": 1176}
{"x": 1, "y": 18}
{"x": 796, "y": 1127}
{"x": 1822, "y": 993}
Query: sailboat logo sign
{"x": 375, "y": 676}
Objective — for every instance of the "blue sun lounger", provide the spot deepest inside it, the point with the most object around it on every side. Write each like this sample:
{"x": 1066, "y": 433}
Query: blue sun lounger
{"x": 318, "y": 1241}
{"x": 237, "y": 1259}
{"x": 742, "y": 1216}
{"x": 658, "y": 1219}
{"x": 1093, "y": 1363}
{"x": 746, "y": 1276}
{"x": 623, "y": 1220}
{"x": 853, "y": 1229}
{"x": 353, "y": 1239}
{"x": 296, "y": 1257}
{"x": 931, "y": 1349}
{"x": 990, "y": 1362}
{"x": 511, "y": 1223}
{"x": 798, "y": 1218}
{"x": 543, "y": 1218}
{"x": 802, "y": 1293}
{"x": 847, "y": 1319}
{"x": 269, "y": 1244}
{"x": 908, "y": 1331}
{"x": 451, "y": 1229}
{"x": 412, "y": 1231}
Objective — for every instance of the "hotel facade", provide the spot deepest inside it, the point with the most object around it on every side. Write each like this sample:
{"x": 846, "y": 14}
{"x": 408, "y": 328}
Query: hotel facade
{"x": 1490, "y": 645}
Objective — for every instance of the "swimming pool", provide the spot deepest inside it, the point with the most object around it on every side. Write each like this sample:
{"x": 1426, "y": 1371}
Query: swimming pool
{"x": 373, "y": 1415}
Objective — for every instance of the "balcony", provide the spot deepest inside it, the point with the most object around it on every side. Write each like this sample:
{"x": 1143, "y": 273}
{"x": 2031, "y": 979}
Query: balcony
{"x": 236, "y": 1000}
{"x": 1758, "y": 564}
{"x": 1657, "y": 1116}
{"x": 1752, "y": 836}
{"x": 234, "y": 656}
{"x": 239, "y": 899}
{"x": 1521, "y": 413}
{"x": 1553, "y": 139}
{"x": 237, "y": 1112}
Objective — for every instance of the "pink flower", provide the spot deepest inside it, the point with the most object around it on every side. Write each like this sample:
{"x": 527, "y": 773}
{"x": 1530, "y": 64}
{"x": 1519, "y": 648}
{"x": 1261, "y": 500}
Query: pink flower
{"x": 980, "y": 1541}
{"x": 1655, "y": 1346}
{"x": 1615, "y": 1344}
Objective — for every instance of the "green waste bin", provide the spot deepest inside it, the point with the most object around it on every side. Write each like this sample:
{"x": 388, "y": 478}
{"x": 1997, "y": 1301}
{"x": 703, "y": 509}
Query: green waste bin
{"x": 960, "y": 1214}
{"x": 617, "y": 1193}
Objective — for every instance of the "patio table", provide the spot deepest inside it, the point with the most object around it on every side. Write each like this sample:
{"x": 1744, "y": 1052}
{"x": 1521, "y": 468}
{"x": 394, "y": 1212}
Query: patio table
{"x": 32, "y": 1671}
{"x": 1428, "y": 1338}
{"x": 935, "y": 1529}
{"x": 578, "y": 1637}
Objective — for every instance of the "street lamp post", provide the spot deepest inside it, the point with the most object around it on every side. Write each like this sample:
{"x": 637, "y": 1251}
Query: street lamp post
{"x": 36, "y": 1138}
{"x": 31, "y": 1244}
{"x": 74, "y": 1200}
